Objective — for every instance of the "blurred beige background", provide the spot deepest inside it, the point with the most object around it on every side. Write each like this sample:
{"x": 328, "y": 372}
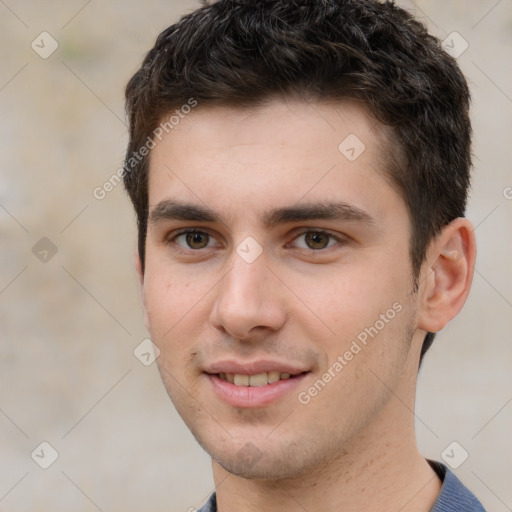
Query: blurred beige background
{"x": 70, "y": 320}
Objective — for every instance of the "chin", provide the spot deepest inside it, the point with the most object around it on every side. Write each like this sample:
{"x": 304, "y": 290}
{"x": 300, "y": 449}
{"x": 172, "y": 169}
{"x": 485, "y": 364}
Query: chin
{"x": 261, "y": 459}
{"x": 263, "y": 467}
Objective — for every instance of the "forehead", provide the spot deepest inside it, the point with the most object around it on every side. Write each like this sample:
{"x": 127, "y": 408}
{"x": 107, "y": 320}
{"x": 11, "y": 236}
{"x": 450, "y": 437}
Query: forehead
{"x": 281, "y": 153}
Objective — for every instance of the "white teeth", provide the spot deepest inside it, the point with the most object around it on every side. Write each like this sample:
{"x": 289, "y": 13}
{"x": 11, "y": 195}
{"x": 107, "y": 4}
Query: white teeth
{"x": 272, "y": 377}
{"x": 241, "y": 380}
{"x": 261, "y": 379}
{"x": 258, "y": 380}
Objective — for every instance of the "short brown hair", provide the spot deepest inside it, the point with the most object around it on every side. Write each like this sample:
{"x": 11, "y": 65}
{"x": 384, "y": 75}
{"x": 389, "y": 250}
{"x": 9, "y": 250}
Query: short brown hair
{"x": 241, "y": 52}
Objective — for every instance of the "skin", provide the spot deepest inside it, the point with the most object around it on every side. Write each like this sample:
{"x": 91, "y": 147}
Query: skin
{"x": 352, "y": 447}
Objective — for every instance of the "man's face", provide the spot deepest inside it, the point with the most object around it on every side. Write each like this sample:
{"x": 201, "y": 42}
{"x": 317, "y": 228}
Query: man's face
{"x": 276, "y": 247}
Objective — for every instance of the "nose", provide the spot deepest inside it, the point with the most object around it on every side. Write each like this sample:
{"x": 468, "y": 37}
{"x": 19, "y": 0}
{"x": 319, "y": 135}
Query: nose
{"x": 248, "y": 301}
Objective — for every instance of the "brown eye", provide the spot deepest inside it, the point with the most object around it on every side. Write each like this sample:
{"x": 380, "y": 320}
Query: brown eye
{"x": 316, "y": 240}
{"x": 197, "y": 239}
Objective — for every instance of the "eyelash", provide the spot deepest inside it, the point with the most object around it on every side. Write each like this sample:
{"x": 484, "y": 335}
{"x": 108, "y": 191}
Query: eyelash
{"x": 188, "y": 250}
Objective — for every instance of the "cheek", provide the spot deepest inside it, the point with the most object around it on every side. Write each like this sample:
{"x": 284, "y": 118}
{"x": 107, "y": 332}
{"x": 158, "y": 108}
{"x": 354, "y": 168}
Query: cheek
{"x": 172, "y": 309}
{"x": 177, "y": 310}
{"x": 349, "y": 299}
{"x": 166, "y": 301}
{"x": 166, "y": 289}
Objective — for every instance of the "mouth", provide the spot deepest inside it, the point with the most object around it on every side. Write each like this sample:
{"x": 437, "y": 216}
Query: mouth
{"x": 254, "y": 385}
{"x": 256, "y": 380}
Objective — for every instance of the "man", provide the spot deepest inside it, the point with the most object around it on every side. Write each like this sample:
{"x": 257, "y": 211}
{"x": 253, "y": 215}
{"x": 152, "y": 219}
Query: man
{"x": 299, "y": 170}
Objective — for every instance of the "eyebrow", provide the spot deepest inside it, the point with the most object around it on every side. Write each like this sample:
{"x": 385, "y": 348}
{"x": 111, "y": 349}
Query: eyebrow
{"x": 171, "y": 209}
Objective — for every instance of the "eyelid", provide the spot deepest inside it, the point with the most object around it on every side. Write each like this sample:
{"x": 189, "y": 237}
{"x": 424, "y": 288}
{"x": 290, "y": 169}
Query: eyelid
{"x": 302, "y": 231}
{"x": 171, "y": 237}
{"x": 176, "y": 232}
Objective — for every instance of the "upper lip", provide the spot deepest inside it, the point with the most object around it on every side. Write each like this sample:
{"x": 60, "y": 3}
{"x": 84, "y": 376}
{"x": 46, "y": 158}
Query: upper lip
{"x": 253, "y": 367}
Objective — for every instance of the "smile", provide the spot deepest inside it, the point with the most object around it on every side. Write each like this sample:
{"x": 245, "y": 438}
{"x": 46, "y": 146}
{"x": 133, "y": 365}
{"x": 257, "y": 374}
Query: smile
{"x": 256, "y": 390}
{"x": 260, "y": 379}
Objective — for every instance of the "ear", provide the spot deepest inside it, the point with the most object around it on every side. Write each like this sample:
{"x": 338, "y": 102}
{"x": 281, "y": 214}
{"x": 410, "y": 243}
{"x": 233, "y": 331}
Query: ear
{"x": 446, "y": 275}
{"x": 140, "y": 275}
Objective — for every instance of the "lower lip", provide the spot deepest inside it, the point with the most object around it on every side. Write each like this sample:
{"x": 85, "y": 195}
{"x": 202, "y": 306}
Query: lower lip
{"x": 253, "y": 396}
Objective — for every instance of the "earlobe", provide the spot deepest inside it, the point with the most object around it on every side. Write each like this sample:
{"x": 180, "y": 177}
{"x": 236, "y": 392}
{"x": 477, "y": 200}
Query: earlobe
{"x": 447, "y": 275}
